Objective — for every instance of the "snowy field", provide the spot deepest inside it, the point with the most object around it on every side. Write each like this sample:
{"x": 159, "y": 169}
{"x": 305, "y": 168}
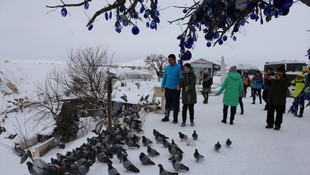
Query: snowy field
{"x": 254, "y": 150}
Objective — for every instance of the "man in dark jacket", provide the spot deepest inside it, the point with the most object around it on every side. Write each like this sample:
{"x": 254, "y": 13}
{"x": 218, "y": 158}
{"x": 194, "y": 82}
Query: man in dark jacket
{"x": 277, "y": 98}
{"x": 266, "y": 87}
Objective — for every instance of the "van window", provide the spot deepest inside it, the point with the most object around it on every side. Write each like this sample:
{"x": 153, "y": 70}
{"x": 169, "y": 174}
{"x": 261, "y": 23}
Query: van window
{"x": 296, "y": 67}
{"x": 274, "y": 67}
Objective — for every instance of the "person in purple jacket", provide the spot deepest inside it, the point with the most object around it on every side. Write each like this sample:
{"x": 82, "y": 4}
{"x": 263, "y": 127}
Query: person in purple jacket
{"x": 170, "y": 82}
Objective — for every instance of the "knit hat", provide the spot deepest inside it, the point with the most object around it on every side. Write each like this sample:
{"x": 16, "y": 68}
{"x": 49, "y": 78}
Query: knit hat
{"x": 233, "y": 69}
{"x": 281, "y": 69}
{"x": 206, "y": 72}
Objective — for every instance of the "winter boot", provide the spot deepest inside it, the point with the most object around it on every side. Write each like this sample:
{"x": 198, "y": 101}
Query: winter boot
{"x": 183, "y": 124}
{"x": 300, "y": 115}
{"x": 192, "y": 123}
{"x": 166, "y": 118}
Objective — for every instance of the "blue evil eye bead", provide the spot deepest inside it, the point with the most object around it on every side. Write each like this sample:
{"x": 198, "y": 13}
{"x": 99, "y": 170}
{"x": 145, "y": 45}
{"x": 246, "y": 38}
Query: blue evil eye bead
{"x": 262, "y": 5}
{"x": 185, "y": 10}
{"x": 182, "y": 75}
{"x": 141, "y": 1}
{"x": 142, "y": 9}
{"x": 253, "y": 16}
{"x": 64, "y": 12}
{"x": 147, "y": 24}
{"x": 179, "y": 61}
{"x": 106, "y": 15}
{"x": 220, "y": 42}
{"x": 268, "y": 18}
{"x": 209, "y": 44}
{"x": 187, "y": 55}
{"x": 125, "y": 23}
{"x": 242, "y": 22}
{"x": 156, "y": 13}
{"x": 90, "y": 27}
{"x": 209, "y": 36}
{"x": 285, "y": 12}
{"x": 153, "y": 5}
{"x": 121, "y": 9}
{"x": 217, "y": 35}
{"x": 234, "y": 38}
{"x": 153, "y": 24}
{"x": 86, "y": 5}
{"x": 147, "y": 12}
{"x": 224, "y": 38}
{"x": 110, "y": 16}
{"x": 135, "y": 30}
{"x": 118, "y": 29}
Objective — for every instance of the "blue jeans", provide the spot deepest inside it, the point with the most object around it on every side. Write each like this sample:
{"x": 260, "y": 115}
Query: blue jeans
{"x": 257, "y": 90}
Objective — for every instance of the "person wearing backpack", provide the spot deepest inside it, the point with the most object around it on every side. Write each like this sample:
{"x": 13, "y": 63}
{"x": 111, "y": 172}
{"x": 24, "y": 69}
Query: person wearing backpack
{"x": 206, "y": 85}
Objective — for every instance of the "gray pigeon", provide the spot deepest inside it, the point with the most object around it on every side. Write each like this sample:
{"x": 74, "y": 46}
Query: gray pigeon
{"x": 152, "y": 152}
{"x": 177, "y": 157}
{"x": 178, "y": 166}
{"x": 132, "y": 144}
{"x": 162, "y": 171}
{"x": 12, "y": 136}
{"x": 197, "y": 155}
{"x": 58, "y": 143}
{"x": 145, "y": 160}
{"x": 33, "y": 170}
{"x": 112, "y": 170}
{"x": 195, "y": 135}
{"x": 129, "y": 166}
{"x": 165, "y": 143}
{"x": 102, "y": 157}
{"x": 98, "y": 127}
{"x": 182, "y": 136}
{"x": 146, "y": 141}
{"x": 25, "y": 156}
{"x": 217, "y": 146}
{"x": 120, "y": 155}
{"x": 2, "y": 129}
{"x": 228, "y": 142}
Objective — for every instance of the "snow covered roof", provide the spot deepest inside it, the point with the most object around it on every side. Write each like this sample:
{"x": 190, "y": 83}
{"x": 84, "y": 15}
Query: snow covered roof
{"x": 246, "y": 66}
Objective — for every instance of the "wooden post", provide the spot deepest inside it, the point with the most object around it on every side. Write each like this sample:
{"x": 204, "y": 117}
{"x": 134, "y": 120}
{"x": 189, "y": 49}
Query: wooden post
{"x": 109, "y": 103}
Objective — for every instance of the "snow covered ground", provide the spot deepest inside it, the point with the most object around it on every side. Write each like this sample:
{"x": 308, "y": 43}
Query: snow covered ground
{"x": 254, "y": 150}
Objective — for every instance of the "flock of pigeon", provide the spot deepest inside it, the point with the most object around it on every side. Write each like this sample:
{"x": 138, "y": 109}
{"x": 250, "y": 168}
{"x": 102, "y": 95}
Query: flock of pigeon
{"x": 108, "y": 144}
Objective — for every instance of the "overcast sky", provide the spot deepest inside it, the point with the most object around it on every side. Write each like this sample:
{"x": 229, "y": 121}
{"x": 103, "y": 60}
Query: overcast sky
{"x": 27, "y": 32}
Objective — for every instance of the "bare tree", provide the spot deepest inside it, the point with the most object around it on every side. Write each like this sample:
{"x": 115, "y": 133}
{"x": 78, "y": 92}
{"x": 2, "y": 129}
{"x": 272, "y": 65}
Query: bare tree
{"x": 49, "y": 99}
{"x": 157, "y": 63}
{"x": 86, "y": 73}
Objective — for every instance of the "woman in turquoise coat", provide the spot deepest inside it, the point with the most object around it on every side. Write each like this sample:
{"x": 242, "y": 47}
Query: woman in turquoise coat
{"x": 232, "y": 85}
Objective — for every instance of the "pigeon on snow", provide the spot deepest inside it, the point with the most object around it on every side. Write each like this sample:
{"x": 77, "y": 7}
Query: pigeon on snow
{"x": 228, "y": 142}
{"x": 145, "y": 160}
{"x": 152, "y": 152}
{"x": 197, "y": 155}
{"x": 162, "y": 171}
{"x": 217, "y": 146}
{"x": 195, "y": 135}
{"x": 129, "y": 166}
{"x": 146, "y": 141}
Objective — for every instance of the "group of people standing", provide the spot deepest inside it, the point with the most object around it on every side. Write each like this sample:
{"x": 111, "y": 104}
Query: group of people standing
{"x": 235, "y": 88}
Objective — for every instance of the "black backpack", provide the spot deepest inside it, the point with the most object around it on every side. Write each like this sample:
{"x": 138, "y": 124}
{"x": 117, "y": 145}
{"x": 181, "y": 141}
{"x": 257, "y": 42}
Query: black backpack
{"x": 207, "y": 83}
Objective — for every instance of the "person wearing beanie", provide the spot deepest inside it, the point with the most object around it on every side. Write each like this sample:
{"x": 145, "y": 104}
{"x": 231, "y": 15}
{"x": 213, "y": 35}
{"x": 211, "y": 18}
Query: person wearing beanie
{"x": 232, "y": 85}
{"x": 257, "y": 86}
{"x": 299, "y": 84}
{"x": 277, "y": 98}
{"x": 189, "y": 95}
{"x": 206, "y": 85}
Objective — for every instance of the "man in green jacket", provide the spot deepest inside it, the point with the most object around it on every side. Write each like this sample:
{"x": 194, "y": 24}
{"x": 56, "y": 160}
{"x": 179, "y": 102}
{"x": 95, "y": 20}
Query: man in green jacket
{"x": 189, "y": 95}
{"x": 299, "y": 84}
{"x": 277, "y": 98}
{"x": 232, "y": 85}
